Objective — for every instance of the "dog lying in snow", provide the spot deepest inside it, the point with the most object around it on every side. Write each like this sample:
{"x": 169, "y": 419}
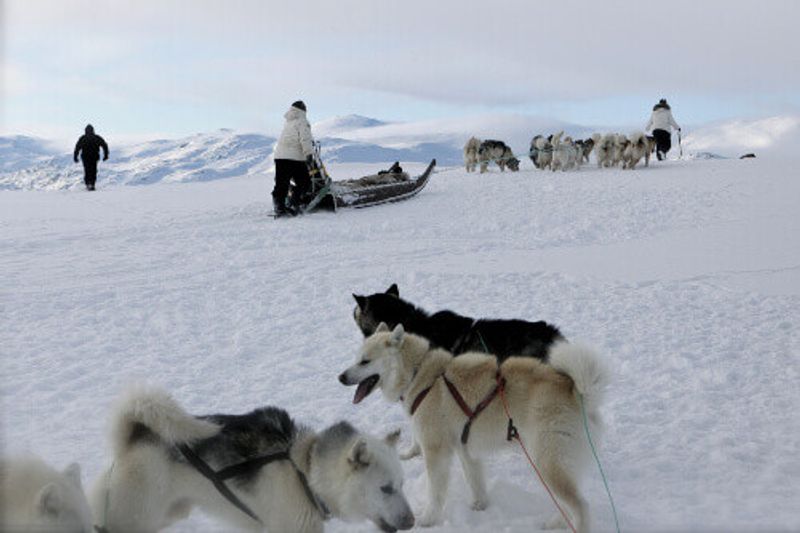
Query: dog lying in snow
{"x": 154, "y": 480}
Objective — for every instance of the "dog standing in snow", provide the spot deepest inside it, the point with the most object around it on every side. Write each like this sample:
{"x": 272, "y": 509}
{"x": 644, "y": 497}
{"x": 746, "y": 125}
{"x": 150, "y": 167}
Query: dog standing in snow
{"x": 471, "y": 153}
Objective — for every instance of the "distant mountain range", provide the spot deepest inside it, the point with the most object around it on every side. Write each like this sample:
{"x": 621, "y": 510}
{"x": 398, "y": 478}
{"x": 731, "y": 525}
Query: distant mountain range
{"x": 32, "y": 163}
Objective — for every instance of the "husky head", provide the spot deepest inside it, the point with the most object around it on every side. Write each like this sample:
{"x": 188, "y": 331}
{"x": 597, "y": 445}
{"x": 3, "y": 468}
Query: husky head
{"x": 513, "y": 163}
{"x": 367, "y": 480}
{"x": 381, "y": 363}
{"x": 35, "y": 497}
{"x": 381, "y": 307}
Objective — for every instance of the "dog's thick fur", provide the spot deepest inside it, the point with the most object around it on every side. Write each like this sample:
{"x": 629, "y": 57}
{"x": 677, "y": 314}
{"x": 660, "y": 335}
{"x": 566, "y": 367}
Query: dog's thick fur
{"x": 36, "y": 497}
{"x": 565, "y": 153}
{"x": 544, "y": 402}
{"x": 541, "y": 151}
{"x": 471, "y": 153}
{"x": 150, "y": 485}
{"x": 604, "y": 150}
{"x": 498, "y": 152}
{"x": 453, "y": 332}
{"x": 621, "y": 143}
{"x": 635, "y": 150}
{"x": 651, "y": 148}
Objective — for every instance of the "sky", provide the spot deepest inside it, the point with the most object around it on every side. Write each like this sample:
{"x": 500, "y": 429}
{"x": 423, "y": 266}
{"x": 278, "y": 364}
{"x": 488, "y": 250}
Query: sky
{"x": 143, "y": 68}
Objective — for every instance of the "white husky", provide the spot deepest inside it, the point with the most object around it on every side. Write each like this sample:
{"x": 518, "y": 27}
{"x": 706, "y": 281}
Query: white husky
{"x": 151, "y": 483}
{"x": 471, "y": 153}
{"x": 36, "y": 497}
{"x": 544, "y": 402}
{"x": 565, "y": 154}
{"x": 637, "y": 149}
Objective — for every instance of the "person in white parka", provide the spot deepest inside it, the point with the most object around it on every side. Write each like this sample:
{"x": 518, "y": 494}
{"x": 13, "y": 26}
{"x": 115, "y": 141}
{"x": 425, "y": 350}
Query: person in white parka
{"x": 662, "y": 123}
{"x": 293, "y": 156}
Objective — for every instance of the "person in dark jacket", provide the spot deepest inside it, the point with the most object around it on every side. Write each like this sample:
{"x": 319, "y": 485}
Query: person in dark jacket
{"x": 89, "y": 147}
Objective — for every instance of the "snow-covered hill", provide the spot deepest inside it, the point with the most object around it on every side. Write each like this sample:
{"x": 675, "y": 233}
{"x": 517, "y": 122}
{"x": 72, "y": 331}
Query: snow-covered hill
{"x": 29, "y": 163}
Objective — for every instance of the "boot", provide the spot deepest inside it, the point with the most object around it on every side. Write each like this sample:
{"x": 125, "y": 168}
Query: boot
{"x": 281, "y": 209}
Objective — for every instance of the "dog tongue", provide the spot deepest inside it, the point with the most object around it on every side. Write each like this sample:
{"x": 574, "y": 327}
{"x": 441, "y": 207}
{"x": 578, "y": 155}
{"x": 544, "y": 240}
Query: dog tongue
{"x": 364, "y": 388}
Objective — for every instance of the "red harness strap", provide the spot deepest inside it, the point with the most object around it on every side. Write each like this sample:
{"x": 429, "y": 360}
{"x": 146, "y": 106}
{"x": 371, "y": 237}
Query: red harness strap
{"x": 470, "y": 413}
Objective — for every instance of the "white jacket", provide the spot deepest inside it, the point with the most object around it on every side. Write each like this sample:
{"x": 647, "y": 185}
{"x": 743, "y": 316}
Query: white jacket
{"x": 295, "y": 140}
{"x": 661, "y": 119}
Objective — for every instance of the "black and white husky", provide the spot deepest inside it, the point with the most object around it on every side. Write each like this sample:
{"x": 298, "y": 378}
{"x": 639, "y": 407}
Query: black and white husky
{"x": 279, "y": 475}
{"x": 453, "y": 332}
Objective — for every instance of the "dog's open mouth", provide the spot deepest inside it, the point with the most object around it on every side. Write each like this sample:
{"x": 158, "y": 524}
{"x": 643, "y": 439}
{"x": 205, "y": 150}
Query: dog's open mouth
{"x": 365, "y": 387}
{"x": 384, "y": 525}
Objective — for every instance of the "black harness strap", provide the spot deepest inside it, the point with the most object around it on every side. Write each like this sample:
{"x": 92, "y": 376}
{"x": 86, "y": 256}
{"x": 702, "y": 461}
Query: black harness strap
{"x": 472, "y": 414}
{"x": 202, "y": 467}
{"x": 218, "y": 478}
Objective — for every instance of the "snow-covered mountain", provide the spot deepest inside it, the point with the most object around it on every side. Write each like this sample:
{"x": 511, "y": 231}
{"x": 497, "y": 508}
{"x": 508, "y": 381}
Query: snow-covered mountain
{"x": 200, "y": 157}
{"x": 31, "y": 163}
{"x": 332, "y": 127}
{"x": 772, "y": 135}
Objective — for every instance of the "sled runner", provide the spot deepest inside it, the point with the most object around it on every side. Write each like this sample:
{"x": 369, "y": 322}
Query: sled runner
{"x": 390, "y": 185}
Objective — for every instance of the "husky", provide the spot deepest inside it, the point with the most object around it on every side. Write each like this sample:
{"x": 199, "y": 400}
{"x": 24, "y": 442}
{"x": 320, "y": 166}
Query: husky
{"x": 36, "y": 497}
{"x": 588, "y": 146}
{"x": 565, "y": 153}
{"x": 621, "y": 143}
{"x": 437, "y": 390}
{"x": 541, "y": 151}
{"x": 636, "y": 150}
{"x": 604, "y": 151}
{"x": 471, "y": 153}
{"x": 152, "y": 482}
{"x": 454, "y": 332}
{"x": 651, "y": 148}
{"x": 498, "y": 152}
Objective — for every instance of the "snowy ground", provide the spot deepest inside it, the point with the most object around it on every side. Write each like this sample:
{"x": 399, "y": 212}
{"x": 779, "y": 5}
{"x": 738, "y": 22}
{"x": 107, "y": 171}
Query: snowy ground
{"x": 686, "y": 276}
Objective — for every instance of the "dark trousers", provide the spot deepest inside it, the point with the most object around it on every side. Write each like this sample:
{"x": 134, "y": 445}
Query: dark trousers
{"x": 287, "y": 170}
{"x": 663, "y": 141}
{"x": 89, "y": 172}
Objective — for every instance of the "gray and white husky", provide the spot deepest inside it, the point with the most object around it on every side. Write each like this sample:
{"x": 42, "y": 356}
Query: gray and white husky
{"x": 36, "y": 497}
{"x": 151, "y": 483}
{"x": 544, "y": 401}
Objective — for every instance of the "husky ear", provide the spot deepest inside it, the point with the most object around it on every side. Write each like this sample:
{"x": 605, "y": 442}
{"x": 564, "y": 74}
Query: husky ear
{"x": 73, "y": 474}
{"x": 397, "y": 335}
{"x": 393, "y": 438}
{"x": 393, "y": 290}
{"x": 360, "y": 300}
{"x": 49, "y": 501}
{"x": 359, "y": 456}
{"x": 382, "y": 327}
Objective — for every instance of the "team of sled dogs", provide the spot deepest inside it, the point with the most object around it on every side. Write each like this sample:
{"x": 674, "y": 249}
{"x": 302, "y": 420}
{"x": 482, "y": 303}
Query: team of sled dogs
{"x": 458, "y": 379}
{"x": 556, "y": 152}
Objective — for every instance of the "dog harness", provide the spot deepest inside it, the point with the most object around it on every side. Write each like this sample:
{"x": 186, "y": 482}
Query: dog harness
{"x": 472, "y": 414}
{"x": 218, "y": 478}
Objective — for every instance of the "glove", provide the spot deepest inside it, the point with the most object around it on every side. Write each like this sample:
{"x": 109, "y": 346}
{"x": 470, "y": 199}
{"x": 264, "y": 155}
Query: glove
{"x": 105, "y": 158}
{"x": 309, "y": 160}
{"x": 75, "y": 159}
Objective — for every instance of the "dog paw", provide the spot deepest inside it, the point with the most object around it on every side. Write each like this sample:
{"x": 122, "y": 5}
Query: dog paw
{"x": 479, "y": 505}
{"x": 430, "y": 518}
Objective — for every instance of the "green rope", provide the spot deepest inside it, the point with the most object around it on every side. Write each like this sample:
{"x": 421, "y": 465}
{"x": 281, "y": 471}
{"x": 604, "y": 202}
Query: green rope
{"x": 597, "y": 460}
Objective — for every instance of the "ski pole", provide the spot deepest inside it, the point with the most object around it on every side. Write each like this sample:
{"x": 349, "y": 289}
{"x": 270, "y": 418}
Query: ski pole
{"x": 680, "y": 146}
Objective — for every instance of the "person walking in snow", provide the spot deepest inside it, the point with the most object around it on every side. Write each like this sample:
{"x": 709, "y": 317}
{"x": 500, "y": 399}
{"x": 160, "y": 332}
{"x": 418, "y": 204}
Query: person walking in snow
{"x": 662, "y": 122}
{"x": 293, "y": 157}
{"x": 89, "y": 147}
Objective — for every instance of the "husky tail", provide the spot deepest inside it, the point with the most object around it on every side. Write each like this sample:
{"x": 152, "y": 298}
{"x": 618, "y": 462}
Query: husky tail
{"x": 147, "y": 410}
{"x": 586, "y": 369}
{"x": 639, "y": 138}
